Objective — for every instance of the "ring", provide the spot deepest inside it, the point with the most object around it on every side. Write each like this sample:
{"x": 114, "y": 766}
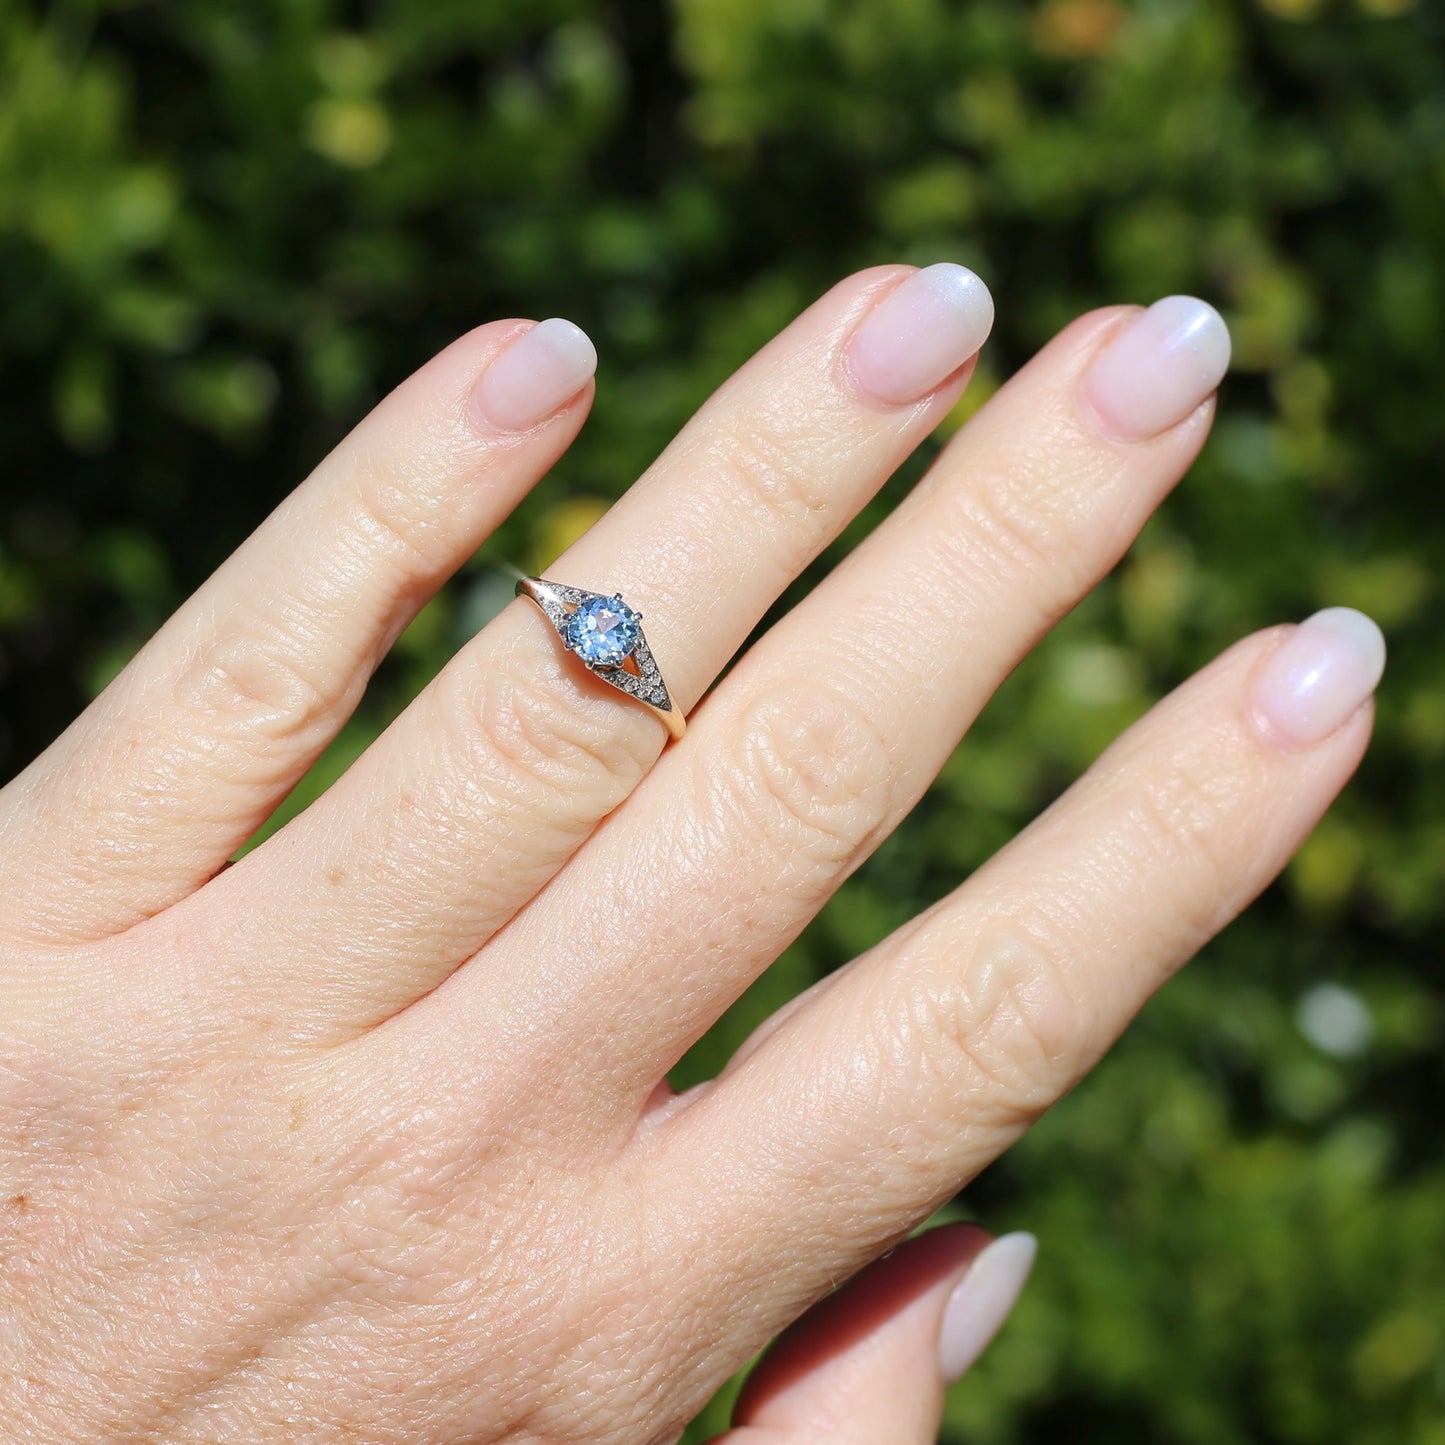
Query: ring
{"x": 606, "y": 635}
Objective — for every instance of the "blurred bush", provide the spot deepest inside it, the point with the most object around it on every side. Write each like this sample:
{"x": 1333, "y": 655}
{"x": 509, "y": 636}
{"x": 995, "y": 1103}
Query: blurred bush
{"x": 226, "y": 229}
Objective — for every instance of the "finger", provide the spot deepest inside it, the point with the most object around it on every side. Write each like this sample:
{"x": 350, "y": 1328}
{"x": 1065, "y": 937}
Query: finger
{"x": 482, "y": 789}
{"x": 867, "y": 1366}
{"x": 939, "y": 1046}
{"x": 821, "y": 739}
{"x": 196, "y": 741}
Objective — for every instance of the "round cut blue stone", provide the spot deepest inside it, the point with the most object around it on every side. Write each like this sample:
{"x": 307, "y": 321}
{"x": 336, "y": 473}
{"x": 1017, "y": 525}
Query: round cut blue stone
{"x": 603, "y": 631}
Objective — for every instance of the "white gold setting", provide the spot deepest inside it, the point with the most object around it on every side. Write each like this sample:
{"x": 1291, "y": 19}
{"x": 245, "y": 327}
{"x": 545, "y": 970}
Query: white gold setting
{"x": 561, "y": 605}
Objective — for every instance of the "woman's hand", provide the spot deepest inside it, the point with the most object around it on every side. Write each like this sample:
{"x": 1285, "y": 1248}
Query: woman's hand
{"x": 367, "y": 1138}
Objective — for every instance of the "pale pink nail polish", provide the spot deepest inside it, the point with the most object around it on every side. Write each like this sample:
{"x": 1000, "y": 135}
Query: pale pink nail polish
{"x": 534, "y": 376}
{"x": 920, "y": 333}
{"x": 1157, "y": 370}
{"x": 1319, "y": 676}
{"x": 982, "y": 1301}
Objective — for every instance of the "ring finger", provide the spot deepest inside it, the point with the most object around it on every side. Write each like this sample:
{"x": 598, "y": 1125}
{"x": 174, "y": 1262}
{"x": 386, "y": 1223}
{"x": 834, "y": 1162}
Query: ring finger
{"x": 416, "y": 856}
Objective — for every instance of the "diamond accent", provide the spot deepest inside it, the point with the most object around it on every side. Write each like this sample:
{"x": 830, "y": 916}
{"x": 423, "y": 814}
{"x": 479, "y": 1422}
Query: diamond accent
{"x": 559, "y": 602}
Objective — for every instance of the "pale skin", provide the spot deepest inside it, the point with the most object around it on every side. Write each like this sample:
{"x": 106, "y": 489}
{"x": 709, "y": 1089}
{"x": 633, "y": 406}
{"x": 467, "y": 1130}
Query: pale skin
{"x": 368, "y": 1137}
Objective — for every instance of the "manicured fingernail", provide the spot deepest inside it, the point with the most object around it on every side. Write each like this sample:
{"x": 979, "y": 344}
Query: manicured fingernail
{"x": 531, "y": 379}
{"x": 981, "y": 1303}
{"x": 1320, "y": 675}
{"x": 920, "y": 333}
{"x": 1159, "y": 368}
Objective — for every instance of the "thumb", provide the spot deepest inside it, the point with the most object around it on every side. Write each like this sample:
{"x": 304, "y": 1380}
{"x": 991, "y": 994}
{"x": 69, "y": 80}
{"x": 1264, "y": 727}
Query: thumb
{"x": 868, "y": 1364}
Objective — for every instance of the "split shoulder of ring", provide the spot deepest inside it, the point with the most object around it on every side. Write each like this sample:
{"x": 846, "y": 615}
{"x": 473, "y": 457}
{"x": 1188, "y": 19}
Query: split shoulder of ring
{"x": 605, "y": 634}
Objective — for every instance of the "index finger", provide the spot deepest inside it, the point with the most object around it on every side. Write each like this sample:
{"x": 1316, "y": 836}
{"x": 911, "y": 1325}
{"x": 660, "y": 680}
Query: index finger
{"x": 884, "y": 1093}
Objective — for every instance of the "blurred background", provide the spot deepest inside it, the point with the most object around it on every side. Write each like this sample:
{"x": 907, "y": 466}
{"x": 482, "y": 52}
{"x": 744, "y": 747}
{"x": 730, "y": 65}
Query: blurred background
{"x": 227, "y": 228}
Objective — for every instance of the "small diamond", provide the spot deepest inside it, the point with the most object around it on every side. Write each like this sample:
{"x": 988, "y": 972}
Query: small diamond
{"x": 603, "y": 631}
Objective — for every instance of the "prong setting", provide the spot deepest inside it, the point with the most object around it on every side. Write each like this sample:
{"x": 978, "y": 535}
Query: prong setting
{"x": 602, "y": 631}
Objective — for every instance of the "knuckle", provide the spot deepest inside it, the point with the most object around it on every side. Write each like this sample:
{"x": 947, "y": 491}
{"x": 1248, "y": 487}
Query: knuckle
{"x": 809, "y": 776}
{"x": 391, "y": 517}
{"x": 997, "y": 1025}
{"x": 1187, "y": 823}
{"x": 1003, "y": 528}
{"x": 570, "y": 749}
{"x": 255, "y": 684}
{"x": 769, "y": 473}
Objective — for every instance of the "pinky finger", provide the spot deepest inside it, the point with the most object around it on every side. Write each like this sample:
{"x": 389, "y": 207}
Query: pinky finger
{"x": 868, "y": 1365}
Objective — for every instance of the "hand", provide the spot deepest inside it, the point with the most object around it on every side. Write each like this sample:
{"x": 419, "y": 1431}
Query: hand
{"x": 367, "y": 1138}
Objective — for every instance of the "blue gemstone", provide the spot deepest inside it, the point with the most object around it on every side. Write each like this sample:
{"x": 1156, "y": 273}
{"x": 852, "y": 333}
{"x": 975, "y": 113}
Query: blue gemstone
{"x": 602, "y": 631}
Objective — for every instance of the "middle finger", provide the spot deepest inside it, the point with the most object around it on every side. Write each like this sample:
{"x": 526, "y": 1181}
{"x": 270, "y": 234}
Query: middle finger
{"x": 816, "y": 745}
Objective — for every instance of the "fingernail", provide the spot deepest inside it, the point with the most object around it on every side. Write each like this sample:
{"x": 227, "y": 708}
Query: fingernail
{"x": 1319, "y": 676}
{"x": 981, "y": 1303}
{"x": 1159, "y": 368}
{"x": 531, "y": 379}
{"x": 921, "y": 333}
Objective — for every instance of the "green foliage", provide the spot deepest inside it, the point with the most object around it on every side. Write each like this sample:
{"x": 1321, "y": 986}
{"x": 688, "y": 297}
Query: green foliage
{"x": 227, "y": 228}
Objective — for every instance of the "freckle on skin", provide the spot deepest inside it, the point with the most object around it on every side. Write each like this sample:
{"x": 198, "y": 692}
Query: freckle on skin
{"x": 298, "y": 1115}
{"x": 335, "y": 876}
{"x": 20, "y": 1203}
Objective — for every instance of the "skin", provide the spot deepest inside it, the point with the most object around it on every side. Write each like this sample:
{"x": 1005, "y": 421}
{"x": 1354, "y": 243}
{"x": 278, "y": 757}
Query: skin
{"x": 367, "y": 1138}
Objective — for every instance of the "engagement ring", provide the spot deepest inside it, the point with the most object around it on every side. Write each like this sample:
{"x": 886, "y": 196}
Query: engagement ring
{"x": 606, "y": 635}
